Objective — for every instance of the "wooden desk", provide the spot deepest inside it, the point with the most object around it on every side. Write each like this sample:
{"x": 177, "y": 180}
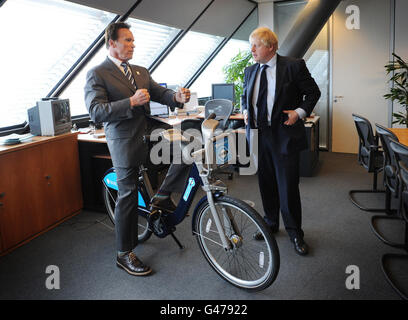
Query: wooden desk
{"x": 39, "y": 187}
{"x": 89, "y": 137}
{"x": 402, "y": 134}
{"x": 176, "y": 120}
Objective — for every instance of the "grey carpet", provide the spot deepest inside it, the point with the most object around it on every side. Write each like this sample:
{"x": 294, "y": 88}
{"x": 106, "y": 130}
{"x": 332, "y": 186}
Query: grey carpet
{"x": 337, "y": 232}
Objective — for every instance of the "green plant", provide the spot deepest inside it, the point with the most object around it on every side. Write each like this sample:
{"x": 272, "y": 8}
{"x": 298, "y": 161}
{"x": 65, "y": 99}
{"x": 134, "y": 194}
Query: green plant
{"x": 399, "y": 91}
{"x": 234, "y": 73}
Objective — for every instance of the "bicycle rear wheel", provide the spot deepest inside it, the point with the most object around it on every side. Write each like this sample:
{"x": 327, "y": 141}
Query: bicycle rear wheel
{"x": 109, "y": 196}
{"x": 249, "y": 264}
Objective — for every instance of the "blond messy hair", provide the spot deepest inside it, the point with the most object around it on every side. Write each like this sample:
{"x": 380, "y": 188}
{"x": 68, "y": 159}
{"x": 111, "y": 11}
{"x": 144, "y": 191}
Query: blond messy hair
{"x": 266, "y": 36}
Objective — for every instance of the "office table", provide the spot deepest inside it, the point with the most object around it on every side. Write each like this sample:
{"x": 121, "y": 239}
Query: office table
{"x": 39, "y": 187}
{"x": 176, "y": 120}
{"x": 402, "y": 134}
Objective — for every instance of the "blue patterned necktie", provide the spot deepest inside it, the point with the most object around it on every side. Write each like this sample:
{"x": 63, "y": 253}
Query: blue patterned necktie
{"x": 128, "y": 74}
{"x": 262, "y": 103}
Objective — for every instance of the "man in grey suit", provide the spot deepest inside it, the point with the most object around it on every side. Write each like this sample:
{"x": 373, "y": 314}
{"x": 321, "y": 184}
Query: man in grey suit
{"x": 118, "y": 94}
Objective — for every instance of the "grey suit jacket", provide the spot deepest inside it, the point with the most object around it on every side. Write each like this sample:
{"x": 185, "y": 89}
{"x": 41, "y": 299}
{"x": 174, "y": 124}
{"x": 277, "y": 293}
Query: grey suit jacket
{"x": 107, "y": 93}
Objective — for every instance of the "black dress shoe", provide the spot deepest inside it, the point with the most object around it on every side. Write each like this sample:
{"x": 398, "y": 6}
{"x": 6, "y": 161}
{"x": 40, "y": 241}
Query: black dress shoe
{"x": 165, "y": 204}
{"x": 132, "y": 265}
{"x": 301, "y": 247}
{"x": 259, "y": 237}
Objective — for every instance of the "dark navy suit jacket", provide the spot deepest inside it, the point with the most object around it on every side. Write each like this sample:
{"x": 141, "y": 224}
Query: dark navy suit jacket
{"x": 295, "y": 88}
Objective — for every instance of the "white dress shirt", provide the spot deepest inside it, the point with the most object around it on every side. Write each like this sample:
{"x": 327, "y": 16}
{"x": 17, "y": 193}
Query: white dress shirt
{"x": 271, "y": 77}
{"x": 117, "y": 62}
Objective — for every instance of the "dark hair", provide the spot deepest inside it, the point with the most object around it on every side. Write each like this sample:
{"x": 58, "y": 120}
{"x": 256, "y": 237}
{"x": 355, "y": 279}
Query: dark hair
{"x": 111, "y": 32}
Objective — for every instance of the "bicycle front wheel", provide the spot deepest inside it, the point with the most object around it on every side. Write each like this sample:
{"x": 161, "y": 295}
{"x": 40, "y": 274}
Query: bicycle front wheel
{"x": 109, "y": 196}
{"x": 249, "y": 264}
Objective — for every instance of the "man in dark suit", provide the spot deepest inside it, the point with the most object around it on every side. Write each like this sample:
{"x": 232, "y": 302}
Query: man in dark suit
{"x": 278, "y": 93}
{"x": 118, "y": 94}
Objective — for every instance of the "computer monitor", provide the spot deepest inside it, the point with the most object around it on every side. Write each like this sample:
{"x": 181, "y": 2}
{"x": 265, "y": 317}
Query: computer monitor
{"x": 158, "y": 109}
{"x": 223, "y": 91}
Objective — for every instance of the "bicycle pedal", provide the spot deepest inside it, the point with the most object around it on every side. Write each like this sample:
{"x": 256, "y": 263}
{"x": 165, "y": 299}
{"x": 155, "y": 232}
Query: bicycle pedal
{"x": 155, "y": 214}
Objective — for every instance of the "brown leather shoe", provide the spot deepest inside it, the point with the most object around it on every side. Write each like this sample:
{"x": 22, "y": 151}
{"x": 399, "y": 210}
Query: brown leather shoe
{"x": 132, "y": 265}
{"x": 165, "y": 204}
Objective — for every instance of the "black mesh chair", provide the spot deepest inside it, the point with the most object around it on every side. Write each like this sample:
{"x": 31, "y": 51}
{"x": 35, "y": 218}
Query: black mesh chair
{"x": 391, "y": 181}
{"x": 401, "y": 156}
{"x": 222, "y": 109}
{"x": 370, "y": 156}
{"x": 191, "y": 124}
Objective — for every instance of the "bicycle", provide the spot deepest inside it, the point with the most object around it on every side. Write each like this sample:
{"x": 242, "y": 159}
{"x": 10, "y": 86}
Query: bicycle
{"x": 223, "y": 225}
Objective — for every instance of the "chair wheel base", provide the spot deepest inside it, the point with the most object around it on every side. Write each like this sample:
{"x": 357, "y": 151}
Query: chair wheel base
{"x": 380, "y": 236}
{"x": 353, "y": 201}
{"x": 403, "y": 295}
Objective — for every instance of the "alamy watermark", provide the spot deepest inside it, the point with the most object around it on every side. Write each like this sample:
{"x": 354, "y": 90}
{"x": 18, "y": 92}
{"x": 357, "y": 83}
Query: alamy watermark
{"x": 188, "y": 147}
{"x": 353, "y": 280}
{"x": 52, "y": 282}
{"x": 353, "y": 20}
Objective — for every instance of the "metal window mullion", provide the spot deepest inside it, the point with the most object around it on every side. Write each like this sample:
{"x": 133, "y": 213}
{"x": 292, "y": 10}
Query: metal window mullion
{"x": 216, "y": 51}
{"x": 176, "y": 40}
{"x": 86, "y": 56}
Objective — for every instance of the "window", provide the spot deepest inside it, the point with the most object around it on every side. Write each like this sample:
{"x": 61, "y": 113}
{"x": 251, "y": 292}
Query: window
{"x": 186, "y": 58}
{"x": 41, "y": 40}
{"x": 150, "y": 40}
{"x": 213, "y": 73}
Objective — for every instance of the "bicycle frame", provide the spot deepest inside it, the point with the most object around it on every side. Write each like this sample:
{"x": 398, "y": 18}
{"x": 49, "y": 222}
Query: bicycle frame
{"x": 171, "y": 220}
{"x": 199, "y": 176}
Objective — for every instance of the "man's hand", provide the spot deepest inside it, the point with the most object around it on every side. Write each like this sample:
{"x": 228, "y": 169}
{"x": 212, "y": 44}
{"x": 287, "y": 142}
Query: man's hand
{"x": 182, "y": 95}
{"x": 292, "y": 117}
{"x": 140, "y": 98}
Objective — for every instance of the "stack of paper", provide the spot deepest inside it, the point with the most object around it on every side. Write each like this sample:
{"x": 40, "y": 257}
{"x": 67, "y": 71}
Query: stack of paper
{"x": 15, "y": 138}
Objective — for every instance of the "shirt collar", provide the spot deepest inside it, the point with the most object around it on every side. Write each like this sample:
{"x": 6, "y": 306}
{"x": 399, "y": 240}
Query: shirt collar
{"x": 271, "y": 63}
{"x": 117, "y": 62}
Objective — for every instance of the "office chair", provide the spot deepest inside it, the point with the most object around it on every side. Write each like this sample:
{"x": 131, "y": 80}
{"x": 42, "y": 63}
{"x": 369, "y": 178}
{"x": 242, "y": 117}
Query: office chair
{"x": 391, "y": 181}
{"x": 401, "y": 156}
{"x": 191, "y": 124}
{"x": 223, "y": 110}
{"x": 369, "y": 156}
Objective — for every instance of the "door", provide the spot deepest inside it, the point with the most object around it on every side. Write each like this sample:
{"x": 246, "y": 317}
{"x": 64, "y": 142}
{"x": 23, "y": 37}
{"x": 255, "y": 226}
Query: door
{"x": 359, "y": 78}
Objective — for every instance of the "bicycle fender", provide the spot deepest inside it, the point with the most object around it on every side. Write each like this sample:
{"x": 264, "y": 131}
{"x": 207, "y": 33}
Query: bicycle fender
{"x": 200, "y": 202}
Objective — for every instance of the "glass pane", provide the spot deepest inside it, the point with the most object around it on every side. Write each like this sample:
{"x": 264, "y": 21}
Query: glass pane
{"x": 150, "y": 40}
{"x": 214, "y": 73}
{"x": 48, "y": 38}
{"x": 186, "y": 58}
{"x": 231, "y": 55}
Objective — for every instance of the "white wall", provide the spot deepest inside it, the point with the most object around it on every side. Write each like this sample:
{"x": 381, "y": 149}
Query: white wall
{"x": 401, "y": 38}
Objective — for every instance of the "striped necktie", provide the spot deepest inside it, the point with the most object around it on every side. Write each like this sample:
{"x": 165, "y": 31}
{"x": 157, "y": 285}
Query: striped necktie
{"x": 128, "y": 74}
